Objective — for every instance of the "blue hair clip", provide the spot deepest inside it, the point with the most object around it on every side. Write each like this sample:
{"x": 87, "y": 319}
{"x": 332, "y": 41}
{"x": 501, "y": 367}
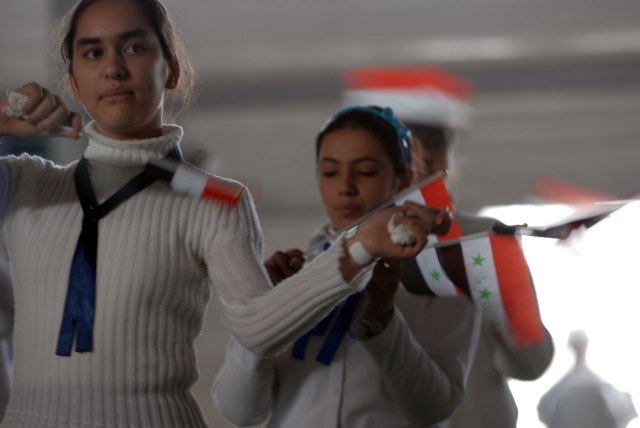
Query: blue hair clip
{"x": 402, "y": 132}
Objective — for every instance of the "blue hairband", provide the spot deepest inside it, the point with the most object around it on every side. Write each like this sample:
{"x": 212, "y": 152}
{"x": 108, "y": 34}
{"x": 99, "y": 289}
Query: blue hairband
{"x": 402, "y": 132}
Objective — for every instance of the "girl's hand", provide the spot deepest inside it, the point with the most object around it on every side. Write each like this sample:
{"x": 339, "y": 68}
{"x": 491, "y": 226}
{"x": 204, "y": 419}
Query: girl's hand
{"x": 282, "y": 265}
{"x": 43, "y": 114}
{"x": 381, "y": 290}
{"x": 374, "y": 235}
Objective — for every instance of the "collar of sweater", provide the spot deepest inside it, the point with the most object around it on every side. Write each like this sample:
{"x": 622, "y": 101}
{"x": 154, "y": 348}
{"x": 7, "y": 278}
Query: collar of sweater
{"x": 105, "y": 150}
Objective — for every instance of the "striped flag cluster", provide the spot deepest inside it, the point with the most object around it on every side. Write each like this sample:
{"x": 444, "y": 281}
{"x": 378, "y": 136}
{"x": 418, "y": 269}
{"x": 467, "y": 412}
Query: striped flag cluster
{"x": 421, "y": 94}
{"x": 491, "y": 269}
{"x": 488, "y": 267}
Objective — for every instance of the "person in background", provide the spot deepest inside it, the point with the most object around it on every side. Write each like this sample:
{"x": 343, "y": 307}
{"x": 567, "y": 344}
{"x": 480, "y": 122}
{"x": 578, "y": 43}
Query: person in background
{"x": 435, "y": 106}
{"x": 385, "y": 358}
{"x": 582, "y": 399}
{"x": 112, "y": 270}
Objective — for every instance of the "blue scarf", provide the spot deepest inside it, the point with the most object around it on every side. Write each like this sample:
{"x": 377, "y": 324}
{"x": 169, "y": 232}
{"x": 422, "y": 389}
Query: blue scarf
{"x": 341, "y": 325}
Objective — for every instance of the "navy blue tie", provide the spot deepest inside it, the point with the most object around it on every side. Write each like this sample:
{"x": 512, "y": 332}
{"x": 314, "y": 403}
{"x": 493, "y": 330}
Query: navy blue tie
{"x": 340, "y": 327}
{"x": 79, "y": 306}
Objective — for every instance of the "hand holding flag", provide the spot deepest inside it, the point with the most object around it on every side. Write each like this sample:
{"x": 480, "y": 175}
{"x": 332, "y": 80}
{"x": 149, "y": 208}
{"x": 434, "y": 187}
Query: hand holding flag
{"x": 430, "y": 192}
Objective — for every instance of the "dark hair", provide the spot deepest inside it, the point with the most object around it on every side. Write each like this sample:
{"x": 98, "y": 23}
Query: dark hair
{"x": 392, "y": 134}
{"x": 431, "y": 137}
{"x": 171, "y": 43}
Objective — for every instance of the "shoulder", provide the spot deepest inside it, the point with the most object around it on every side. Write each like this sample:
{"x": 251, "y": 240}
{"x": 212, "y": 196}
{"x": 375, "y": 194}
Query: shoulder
{"x": 27, "y": 161}
{"x": 27, "y": 168}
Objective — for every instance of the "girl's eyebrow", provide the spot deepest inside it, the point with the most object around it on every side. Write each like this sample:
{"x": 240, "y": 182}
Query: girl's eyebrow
{"x": 357, "y": 160}
{"x": 123, "y": 37}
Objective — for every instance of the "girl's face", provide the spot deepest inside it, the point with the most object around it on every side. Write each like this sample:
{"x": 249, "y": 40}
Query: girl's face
{"x": 355, "y": 175}
{"x": 119, "y": 70}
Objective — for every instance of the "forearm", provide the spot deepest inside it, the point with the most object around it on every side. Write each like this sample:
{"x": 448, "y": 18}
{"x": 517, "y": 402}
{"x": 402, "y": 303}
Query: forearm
{"x": 264, "y": 318}
{"x": 425, "y": 389}
{"x": 243, "y": 388}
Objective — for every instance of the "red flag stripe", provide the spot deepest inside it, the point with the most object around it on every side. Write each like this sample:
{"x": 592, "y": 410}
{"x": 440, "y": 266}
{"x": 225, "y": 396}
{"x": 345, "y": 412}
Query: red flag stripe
{"x": 217, "y": 190}
{"x": 516, "y": 290}
{"x": 435, "y": 193}
{"x": 407, "y": 78}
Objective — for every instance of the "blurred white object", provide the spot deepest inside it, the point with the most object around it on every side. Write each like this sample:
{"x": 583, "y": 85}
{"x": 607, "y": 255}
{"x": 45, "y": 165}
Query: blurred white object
{"x": 426, "y": 94}
{"x": 400, "y": 233}
{"x": 16, "y": 103}
{"x": 581, "y": 399}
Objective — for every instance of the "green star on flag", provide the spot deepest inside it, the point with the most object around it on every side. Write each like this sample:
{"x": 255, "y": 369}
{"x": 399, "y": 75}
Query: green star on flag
{"x": 485, "y": 293}
{"x": 478, "y": 260}
{"x": 435, "y": 275}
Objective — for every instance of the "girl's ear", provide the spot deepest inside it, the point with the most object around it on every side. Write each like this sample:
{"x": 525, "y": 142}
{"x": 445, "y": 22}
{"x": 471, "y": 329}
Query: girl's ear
{"x": 174, "y": 74}
{"x": 74, "y": 88}
{"x": 406, "y": 181}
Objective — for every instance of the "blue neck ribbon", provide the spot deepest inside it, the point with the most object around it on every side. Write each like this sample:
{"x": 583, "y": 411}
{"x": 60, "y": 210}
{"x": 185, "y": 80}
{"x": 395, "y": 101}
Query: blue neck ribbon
{"x": 79, "y": 306}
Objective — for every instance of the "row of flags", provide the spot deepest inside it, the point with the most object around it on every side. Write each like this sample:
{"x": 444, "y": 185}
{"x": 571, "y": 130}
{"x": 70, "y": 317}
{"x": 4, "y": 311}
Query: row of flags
{"x": 488, "y": 267}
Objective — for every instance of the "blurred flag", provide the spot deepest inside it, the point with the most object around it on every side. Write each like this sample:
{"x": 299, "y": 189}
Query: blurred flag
{"x": 432, "y": 191}
{"x": 553, "y": 191}
{"x": 583, "y": 218}
{"x": 190, "y": 181}
{"x": 492, "y": 270}
{"x": 421, "y": 94}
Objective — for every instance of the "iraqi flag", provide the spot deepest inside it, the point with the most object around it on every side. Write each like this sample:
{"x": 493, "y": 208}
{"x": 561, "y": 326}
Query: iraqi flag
{"x": 489, "y": 268}
{"x": 432, "y": 191}
{"x": 420, "y": 94}
{"x": 190, "y": 181}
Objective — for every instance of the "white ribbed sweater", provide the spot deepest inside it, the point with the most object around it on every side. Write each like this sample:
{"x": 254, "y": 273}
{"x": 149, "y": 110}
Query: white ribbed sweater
{"x": 158, "y": 254}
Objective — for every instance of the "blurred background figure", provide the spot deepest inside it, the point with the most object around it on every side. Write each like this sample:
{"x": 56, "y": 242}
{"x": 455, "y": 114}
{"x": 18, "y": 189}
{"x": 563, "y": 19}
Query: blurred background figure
{"x": 436, "y": 105}
{"x": 582, "y": 399}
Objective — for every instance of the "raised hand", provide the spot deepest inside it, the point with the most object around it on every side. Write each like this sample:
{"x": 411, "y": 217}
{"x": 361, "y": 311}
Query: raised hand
{"x": 35, "y": 112}
{"x": 282, "y": 265}
{"x": 420, "y": 220}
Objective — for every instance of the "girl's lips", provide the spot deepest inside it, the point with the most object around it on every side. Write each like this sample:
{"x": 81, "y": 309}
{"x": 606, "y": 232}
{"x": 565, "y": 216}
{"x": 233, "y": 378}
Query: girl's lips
{"x": 116, "y": 95}
{"x": 348, "y": 211}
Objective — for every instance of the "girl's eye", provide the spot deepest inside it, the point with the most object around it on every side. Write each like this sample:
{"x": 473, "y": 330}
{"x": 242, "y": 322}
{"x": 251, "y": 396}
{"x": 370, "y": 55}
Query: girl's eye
{"x": 367, "y": 173}
{"x": 329, "y": 173}
{"x": 135, "y": 48}
{"x": 92, "y": 53}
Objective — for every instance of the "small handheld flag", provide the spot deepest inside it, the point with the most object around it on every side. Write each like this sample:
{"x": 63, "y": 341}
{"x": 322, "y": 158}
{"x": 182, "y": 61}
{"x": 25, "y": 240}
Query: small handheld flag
{"x": 190, "y": 181}
{"x": 492, "y": 270}
{"x": 432, "y": 191}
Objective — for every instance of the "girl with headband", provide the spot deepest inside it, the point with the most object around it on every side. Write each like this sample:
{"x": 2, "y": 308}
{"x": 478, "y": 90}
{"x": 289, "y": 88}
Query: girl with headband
{"x": 383, "y": 358}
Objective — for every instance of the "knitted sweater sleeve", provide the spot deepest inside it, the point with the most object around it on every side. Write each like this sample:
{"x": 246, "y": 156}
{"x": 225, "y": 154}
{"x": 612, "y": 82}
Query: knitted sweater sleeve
{"x": 5, "y": 185}
{"x": 264, "y": 318}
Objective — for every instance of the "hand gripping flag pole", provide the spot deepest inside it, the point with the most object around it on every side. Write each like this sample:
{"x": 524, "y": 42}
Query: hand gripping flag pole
{"x": 434, "y": 184}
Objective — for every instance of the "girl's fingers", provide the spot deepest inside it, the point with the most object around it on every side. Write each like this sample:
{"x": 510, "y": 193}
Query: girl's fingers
{"x": 49, "y": 110}
{"x": 282, "y": 265}
{"x": 40, "y": 113}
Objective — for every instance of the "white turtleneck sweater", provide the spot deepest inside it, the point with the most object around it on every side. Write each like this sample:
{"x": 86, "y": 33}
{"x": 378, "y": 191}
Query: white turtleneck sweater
{"x": 159, "y": 253}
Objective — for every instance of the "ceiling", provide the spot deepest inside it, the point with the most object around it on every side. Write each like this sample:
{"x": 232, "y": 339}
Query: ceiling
{"x": 556, "y": 85}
